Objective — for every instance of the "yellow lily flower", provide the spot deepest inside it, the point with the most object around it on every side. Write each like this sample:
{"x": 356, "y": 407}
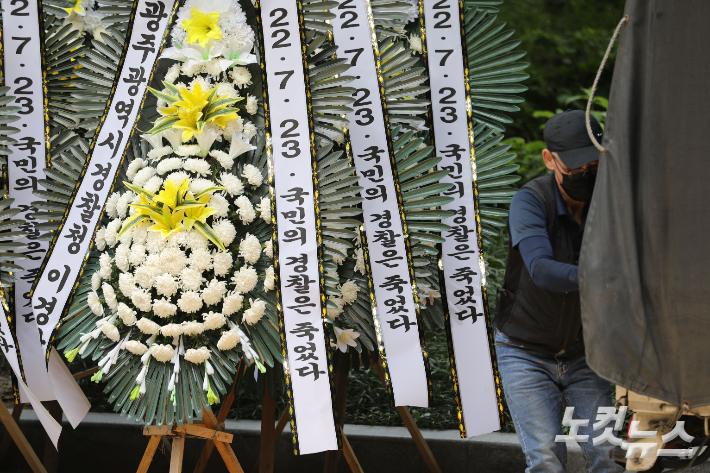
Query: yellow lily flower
{"x": 168, "y": 223}
{"x": 172, "y": 194}
{"x": 195, "y": 99}
{"x": 189, "y": 122}
{"x": 222, "y": 120}
{"x": 202, "y": 27}
{"x": 198, "y": 214}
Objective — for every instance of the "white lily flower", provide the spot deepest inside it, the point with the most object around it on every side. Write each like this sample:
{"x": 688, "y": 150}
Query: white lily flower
{"x": 237, "y": 53}
{"x": 206, "y": 139}
{"x": 345, "y": 337}
{"x": 156, "y": 141}
{"x": 238, "y": 146}
{"x": 174, "y": 136}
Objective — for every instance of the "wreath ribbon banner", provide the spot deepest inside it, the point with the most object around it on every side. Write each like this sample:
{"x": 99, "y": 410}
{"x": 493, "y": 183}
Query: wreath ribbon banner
{"x": 394, "y": 297}
{"x": 25, "y": 74}
{"x": 461, "y": 256}
{"x": 69, "y": 250}
{"x": 296, "y": 250}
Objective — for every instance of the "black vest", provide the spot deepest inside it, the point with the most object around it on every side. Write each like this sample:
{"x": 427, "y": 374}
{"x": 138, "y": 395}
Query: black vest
{"x": 542, "y": 320}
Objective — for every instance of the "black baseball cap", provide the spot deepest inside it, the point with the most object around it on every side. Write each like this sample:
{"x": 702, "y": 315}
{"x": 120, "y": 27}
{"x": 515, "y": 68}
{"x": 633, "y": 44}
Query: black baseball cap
{"x": 566, "y": 134}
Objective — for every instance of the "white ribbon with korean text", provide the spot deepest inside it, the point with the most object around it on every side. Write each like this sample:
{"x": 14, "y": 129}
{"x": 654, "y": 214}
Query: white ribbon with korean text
{"x": 460, "y": 252}
{"x": 24, "y": 75}
{"x": 393, "y": 286}
{"x": 67, "y": 257}
{"x": 307, "y": 361}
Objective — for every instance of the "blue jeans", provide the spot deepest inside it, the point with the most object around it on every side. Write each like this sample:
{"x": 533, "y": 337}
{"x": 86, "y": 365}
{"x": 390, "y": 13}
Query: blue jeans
{"x": 535, "y": 387}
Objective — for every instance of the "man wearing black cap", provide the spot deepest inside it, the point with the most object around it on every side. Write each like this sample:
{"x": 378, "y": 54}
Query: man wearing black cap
{"x": 539, "y": 340}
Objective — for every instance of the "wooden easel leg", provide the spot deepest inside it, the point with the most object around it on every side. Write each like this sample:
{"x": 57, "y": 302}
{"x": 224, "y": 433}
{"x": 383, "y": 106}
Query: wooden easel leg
{"x": 266, "y": 446}
{"x": 176, "y": 455}
{"x": 341, "y": 395}
{"x": 18, "y": 437}
{"x": 6, "y": 439}
{"x": 414, "y": 431}
{"x": 221, "y": 417}
{"x": 149, "y": 452}
{"x": 350, "y": 456}
{"x": 225, "y": 451}
{"x": 283, "y": 420}
{"x": 51, "y": 453}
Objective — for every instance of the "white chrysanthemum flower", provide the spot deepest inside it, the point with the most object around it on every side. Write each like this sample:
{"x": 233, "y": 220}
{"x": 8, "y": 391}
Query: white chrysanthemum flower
{"x": 168, "y": 165}
{"x": 240, "y": 76}
{"x": 121, "y": 257}
{"x": 95, "y": 304}
{"x": 188, "y": 150}
{"x": 127, "y": 315}
{"x": 157, "y": 153}
{"x": 192, "y": 328}
{"x": 198, "y": 166}
{"x": 111, "y": 332}
{"x": 246, "y": 211}
{"x": 229, "y": 340}
{"x": 126, "y": 284}
{"x": 140, "y": 235}
{"x": 147, "y": 326}
{"x": 197, "y": 356}
{"x": 245, "y": 279}
{"x": 105, "y": 266}
{"x": 222, "y": 158}
{"x": 100, "y": 239}
{"x": 213, "y": 68}
{"x": 142, "y": 176}
{"x": 415, "y": 43}
{"x": 201, "y": 260}
{"x": 133, "y": 168}
{"x": 231, "y": 183}
{"x": 126, "y": 237}
{"x": 199, "y": 184}
{"x": 227, "y": 89}
{"x": 253, "y": 176}
{"x": 225, "y": 231}
{"x": 233, "y": 127}
{"x": 141, "y": 300}
{"x": 204, "y": 83}
{"x": 162, "y": 353}
{"x": 173, "y": 260}
{"x": 196, "y": 240}
{"x": 153, "y": 260}
{"x": 264, "y": 208}
{"x": 164, "y": 308}
{"x": 252, "y": 105}
{"x": 137, "y": 254}
{"x": 222, "y": 263}
{"x": 177, "y": 177}
{"x": 112, "y": 229}
{"x": 214, "y": 320}
{"x": 232, "y": 303}
{"x": 166, "y": 285}
{"x": 360, "y": 260}
{"x": 136, "y": 347}
{"x": 254, "y": 313}
{"x": 214, "y": 292}
{"x": 111, "y": 203}
{"x": 334, "y": 313}
{"x": 269, "y": 279}
{"x": 153, "y": 185}
{"x": 349, "y": 291}
{"x": 269, "y": 248}
{"x": 144, "y": 276}
{"x": 191, "y": 279}
{"x": 220, "y": 204}
{"x": 173, "y": 73}
{"x": 250, "y": 249}
{"x": 122, "y": 204}
{"x": 248, "y": 131}
{"x": 190, "y": 302}
{"x": 171, "y": 330}
{"x": 96, "y": 280}
{"x": 109, "y": 296}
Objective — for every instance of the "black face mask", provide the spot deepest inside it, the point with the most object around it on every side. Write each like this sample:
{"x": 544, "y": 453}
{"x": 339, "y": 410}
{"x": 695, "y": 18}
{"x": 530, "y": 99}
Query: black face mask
{"x": 579, "y": 186}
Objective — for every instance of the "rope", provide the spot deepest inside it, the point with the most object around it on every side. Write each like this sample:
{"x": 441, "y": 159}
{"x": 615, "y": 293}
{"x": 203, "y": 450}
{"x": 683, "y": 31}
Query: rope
{"x": 623, "y": 21}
